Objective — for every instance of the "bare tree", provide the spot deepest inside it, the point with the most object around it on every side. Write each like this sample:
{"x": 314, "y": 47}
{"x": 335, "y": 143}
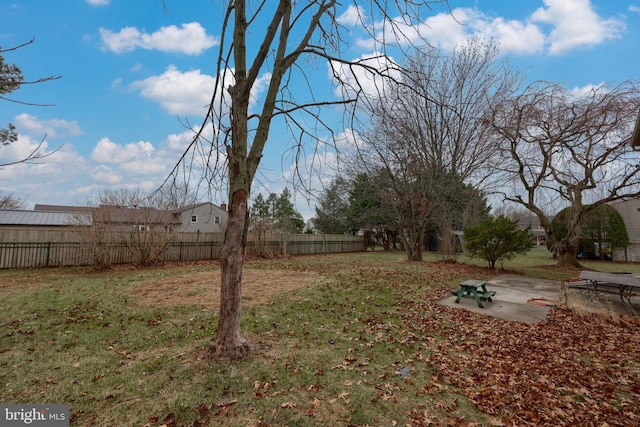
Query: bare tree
{"x": 144, "y": 224}
{"x": 560, "y": 148}
{"x": 130, "y": 219}
{"x": 10, "y": 201}
{"x": 429, "y": 136}
{"x": 405, "y": 189}
{"x": 294, "y": 31}
{"x": 97, "y": 235}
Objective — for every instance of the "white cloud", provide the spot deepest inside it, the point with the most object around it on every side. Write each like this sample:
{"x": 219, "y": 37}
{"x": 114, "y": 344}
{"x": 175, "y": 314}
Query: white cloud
{"x": 106, "y": 175}
{"x": 20, "y": 149}
{"x": 364, "y": 78}
{"x": 47, "y": 180}
{"x": 191, "y": 39}
{"x": 575, "y": 24}
{"x": 190, "y": 92}
{"x": 352, "y": 16}
{"x": 587, "y": 90}
{"x": 180, "y": 141}
{"x": 107, "y": 151}
{"x": 66, "y": 177}
{"x": 98, "y": 2}
{"x": 572, "y": 24}
{"x": 178, "y": 92}
{"x": 125, "y": 41}
{"x": 437, "y": 30}
{"x": 635, "y": 9}
{"x": 131, "y": 163}
{"x": 512, "y": 36}
{"x": 441, "y": 30}
{"x": 53, "y": 128}
{"x": 116, "y": 83}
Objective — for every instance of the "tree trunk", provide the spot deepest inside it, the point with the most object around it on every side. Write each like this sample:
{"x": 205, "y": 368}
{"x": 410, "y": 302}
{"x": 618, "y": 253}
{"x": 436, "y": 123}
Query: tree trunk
{"x": 229, "y": 345}
{"x": 413, "y": 244}
{"x": 567, "y": 254}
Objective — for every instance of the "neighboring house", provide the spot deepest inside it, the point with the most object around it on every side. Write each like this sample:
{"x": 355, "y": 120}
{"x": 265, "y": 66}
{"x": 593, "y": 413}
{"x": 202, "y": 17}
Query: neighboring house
{"x": 630, "y": 211}
{"x": 202, "y": 217}
{"x": 120, "y": 217}
{"x": 29, "y": 226}
{"x": 532, "y": 222}
{"x": 49, "y": 219}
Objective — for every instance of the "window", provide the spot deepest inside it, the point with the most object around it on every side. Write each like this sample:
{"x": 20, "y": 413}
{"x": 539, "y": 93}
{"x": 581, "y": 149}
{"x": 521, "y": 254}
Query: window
{"x": 194, "y": 219}
{"x": 216, "y": 220}
{"x": 141, "y": 227}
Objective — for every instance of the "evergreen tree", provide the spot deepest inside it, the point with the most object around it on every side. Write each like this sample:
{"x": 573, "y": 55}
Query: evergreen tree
{"x": 332, "y": 211}
{"x": 497, "y": 239}
{"x": 260, "y": 207}
{"x": 600, "y": 227}
{"x": 10, "y": 80}
{"x": 285, "y": 213}
{"x": 279, "y": 210}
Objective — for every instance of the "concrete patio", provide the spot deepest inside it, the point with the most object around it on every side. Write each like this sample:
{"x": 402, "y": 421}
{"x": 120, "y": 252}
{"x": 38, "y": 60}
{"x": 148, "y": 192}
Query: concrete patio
{"x": 517, "y": 298}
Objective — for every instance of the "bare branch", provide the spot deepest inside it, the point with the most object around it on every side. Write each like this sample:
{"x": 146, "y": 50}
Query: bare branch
{"x": 35, "y": 155}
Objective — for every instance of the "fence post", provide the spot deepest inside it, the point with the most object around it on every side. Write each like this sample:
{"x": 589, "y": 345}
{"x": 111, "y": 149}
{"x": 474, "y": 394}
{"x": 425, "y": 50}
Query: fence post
{"x": 197, "y": 245}
{"x": 48, "y": 254}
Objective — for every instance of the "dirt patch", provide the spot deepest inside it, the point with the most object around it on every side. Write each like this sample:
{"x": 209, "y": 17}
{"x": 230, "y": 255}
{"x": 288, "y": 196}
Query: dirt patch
{"x": 258, "y": 287}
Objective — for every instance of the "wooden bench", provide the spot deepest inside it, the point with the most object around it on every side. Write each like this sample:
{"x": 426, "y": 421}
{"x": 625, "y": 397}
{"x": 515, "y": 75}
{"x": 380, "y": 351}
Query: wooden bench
{"x": 476, "y": 289}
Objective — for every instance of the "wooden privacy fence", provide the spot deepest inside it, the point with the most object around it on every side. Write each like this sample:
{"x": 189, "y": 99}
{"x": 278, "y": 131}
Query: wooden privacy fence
{"x": 68, "y": 251}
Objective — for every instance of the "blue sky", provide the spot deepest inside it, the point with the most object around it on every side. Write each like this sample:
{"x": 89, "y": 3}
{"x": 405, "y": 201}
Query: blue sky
{"x": 134, "y": 73}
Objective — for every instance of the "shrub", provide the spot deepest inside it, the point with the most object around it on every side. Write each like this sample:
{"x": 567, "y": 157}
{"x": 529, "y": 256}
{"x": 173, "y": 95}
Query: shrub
{"x": 497, "y": 239}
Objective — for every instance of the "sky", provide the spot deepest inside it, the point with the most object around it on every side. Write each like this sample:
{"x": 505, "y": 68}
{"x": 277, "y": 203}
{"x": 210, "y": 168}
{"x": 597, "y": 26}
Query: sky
{"x": 136, "y": 73}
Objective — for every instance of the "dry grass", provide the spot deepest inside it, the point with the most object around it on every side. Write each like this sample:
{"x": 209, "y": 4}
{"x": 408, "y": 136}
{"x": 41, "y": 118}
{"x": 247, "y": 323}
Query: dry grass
{"x": 587, "y": 305}
{"x": 202, "y": 288}
{"x": 331, "y": 334}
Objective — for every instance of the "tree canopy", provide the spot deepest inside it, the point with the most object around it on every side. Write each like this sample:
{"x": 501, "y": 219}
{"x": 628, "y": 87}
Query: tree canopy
{"x": 601, "y": 228}
{"x": 279, "y": 211}
{"x": 332, "y": 210}
{"x": 10, "y": 79}
{"x": 427, "y": 144}
{"x": 559, "y": 147}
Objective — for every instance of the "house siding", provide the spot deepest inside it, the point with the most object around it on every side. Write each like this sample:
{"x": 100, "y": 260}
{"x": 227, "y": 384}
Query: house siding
{"x": 629, "y": 210}
{"x": 206, "y": 214}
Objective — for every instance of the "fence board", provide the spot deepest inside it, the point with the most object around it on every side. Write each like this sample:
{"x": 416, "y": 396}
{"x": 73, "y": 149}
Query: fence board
{"x": 58, "y": 248}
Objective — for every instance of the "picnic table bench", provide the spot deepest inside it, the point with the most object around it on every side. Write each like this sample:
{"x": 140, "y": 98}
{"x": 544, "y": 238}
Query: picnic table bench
{"x": 476, "y": 289}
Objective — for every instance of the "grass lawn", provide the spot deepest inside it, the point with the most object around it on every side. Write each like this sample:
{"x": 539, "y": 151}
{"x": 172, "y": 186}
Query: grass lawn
{"x": 345, "y": 339}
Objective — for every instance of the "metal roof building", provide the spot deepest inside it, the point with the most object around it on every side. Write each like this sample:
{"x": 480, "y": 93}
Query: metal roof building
{"x": 43, "y": 218}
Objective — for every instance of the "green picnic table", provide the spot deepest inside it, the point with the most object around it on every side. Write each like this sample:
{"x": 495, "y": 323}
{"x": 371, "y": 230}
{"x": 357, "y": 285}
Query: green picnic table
{"x": 476, "y": 289}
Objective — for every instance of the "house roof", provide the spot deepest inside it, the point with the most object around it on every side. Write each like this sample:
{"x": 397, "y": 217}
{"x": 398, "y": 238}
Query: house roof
{"x": 197, "y": 205}
{"x": 529, "y": 220}
{"x": 42, "y": 218}
{"x": 117, "y": 214}
{"x": 61, "y": 208}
